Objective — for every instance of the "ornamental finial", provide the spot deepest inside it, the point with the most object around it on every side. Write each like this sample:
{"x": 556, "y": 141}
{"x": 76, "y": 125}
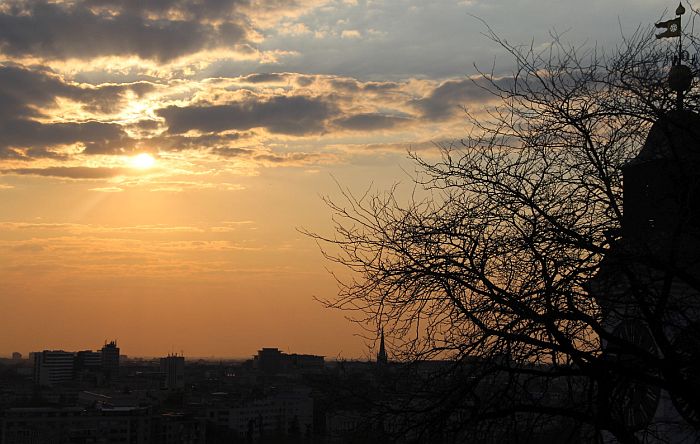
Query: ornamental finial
{"x": 680, "y": 10}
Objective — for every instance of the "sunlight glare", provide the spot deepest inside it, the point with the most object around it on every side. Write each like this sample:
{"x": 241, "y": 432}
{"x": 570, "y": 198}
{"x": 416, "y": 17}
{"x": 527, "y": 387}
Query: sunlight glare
{"x": 143, "y": 161}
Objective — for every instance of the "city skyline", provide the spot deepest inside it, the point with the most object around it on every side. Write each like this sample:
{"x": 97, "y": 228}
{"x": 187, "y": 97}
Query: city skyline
{"x": 153, "y": 180}
{"x": 27, "y": 355}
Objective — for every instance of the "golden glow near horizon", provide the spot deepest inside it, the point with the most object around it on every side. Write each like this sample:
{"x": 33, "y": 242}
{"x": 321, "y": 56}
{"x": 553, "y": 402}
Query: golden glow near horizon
{"x": 142, "y": 161}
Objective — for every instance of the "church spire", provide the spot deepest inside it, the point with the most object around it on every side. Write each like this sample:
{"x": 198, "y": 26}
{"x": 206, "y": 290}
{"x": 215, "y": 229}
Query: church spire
{"x": 381, "y": 356}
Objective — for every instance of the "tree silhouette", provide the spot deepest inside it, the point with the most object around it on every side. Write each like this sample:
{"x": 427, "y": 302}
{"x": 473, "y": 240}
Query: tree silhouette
{"x": 516, "y": 259}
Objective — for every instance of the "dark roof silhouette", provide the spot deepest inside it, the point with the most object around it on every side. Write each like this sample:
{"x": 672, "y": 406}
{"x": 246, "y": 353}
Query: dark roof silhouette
{"x": 675, "y": 136}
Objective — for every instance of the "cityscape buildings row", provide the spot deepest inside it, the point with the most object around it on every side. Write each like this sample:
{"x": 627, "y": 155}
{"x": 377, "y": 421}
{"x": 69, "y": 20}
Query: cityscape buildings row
{"x": 151, "y": 401}
{"x": 53, "y": 367}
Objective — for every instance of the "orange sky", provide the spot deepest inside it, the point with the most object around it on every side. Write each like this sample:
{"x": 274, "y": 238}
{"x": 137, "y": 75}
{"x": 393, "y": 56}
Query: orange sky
{"x": 252, "y": 110}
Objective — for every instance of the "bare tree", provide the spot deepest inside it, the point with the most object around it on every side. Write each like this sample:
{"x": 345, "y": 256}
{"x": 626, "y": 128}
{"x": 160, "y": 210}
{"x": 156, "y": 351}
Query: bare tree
{"x": 521, "y": 266}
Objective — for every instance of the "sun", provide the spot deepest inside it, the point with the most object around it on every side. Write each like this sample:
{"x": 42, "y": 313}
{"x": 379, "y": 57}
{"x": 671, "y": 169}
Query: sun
{"x": 142, "y": 161}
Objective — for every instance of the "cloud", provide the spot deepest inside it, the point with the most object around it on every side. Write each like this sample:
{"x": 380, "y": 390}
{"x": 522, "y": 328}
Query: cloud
{"x": 265, "y": 78}
{"x": 180, "y": 186}
{"x": 345, "y": 84}
{"x": 271, "y": 159}
{"x": 26, "y": 92}
{"x": 38, "y": 138}
{"x": 81, "y": 29}
{"x": 292, "y": 115}
{"x": 72, "y": 172}
{"x": 233, "y": 152}
{"x": 290, "y": 158}
{"x": 80, "y": 250}
{"x": 192, "y": 10}
{"x": 27, "y": 95}
{"x": 350, "y": 34}
{"x": 380, "y": 86}
{"x": 107, "y": 189}
{"x": 446, "y": 99}
{"x": 370, "y": 122}
{"x": 48, "y": 116}
{"x": 219, "y": 141}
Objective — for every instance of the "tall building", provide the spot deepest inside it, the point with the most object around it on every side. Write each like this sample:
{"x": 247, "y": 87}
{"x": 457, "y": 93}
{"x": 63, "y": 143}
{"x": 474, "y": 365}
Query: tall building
{"x": 109, "y": 355}
{"x": 269, "y": 360}
{"x": 88, "y": 360}
{"x": 656, "y": 259}
{"x": 88, "y": 366}
{"x": 53, "y": 367}
{"x": 174, "y": 368}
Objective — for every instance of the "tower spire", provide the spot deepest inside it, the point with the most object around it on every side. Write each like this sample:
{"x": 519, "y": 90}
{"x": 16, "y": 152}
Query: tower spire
{"x": 381, "y": 355}
{"x": 680, "y": 76}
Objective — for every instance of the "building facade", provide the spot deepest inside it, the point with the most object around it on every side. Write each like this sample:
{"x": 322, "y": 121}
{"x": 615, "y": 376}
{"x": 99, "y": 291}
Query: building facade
{"x": 53, "y": 367}
{"x": 173, "y": 366}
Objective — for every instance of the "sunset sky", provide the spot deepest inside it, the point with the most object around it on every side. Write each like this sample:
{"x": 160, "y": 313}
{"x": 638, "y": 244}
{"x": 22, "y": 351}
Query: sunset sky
{"x": 157, "y": 157}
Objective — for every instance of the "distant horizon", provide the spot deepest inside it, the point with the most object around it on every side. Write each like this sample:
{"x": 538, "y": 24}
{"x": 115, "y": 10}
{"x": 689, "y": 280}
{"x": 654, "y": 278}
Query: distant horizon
{"x": 122, "y": 353}
{"x": 194, "y": 357}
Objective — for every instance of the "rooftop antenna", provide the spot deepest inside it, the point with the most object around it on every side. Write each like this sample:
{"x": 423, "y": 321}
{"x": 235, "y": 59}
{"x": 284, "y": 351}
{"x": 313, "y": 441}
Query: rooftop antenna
{"x": 680, "y": 76}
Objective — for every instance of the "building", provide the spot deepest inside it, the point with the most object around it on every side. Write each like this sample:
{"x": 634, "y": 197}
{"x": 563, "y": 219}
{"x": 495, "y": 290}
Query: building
{"x": 109, "y": 355}
{"x": 272, "y": 361}
{"x": 178, "y": 428}
{"x": 269, "y": 360}
{"x": 75, "y": 425}
{"x": 173, "y": 366}
{"x": 57, "y": 366}
{"x": 283, "y": 412}
{"x": 660, "y": 232}
{"x": 53, "y": 367}
{"x": 16, "y": 356}
{"x": 88, "y": 367}
{"x": 88, "y": 360}
{"x": 304, "y": 363}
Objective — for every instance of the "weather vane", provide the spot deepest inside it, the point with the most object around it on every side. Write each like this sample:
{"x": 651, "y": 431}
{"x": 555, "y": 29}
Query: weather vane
{"x": 680, "y": 76}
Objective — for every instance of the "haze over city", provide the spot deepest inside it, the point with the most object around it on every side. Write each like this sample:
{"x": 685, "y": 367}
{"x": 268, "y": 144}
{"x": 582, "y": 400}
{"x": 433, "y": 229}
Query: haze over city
{"x": 154, "y": 176}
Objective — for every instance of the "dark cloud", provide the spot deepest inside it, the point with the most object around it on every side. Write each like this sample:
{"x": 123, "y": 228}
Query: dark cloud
{"x": 79, "y": 29}
{"x": 380, "y": 86}
{"x": 266, "y": 157}
{"x": 295, "y": 115}
{"x": 233, "y": 152}
{"x": 265, "y": 78}
{"x": 24, "y": 92}
{"x": 108, "y": 98}
{"x": 305, "y": 80}
{"x": 37, "y": 137}
{"x": 147, "y": 124}
{"x": 284, "y": 159}
{"x": 370, "y": 122}
{"x": 191, "y": 9}
{"x": 290, "y": 158}
{"x": 446, "y": 100}
{"x": 178, "y": 143}
{"x": 72, "y": 172}
{"x": 347, "y": 85}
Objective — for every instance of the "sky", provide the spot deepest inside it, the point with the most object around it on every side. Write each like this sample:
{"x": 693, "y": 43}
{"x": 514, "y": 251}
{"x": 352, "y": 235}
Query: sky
{"x": 158, "y": 158}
